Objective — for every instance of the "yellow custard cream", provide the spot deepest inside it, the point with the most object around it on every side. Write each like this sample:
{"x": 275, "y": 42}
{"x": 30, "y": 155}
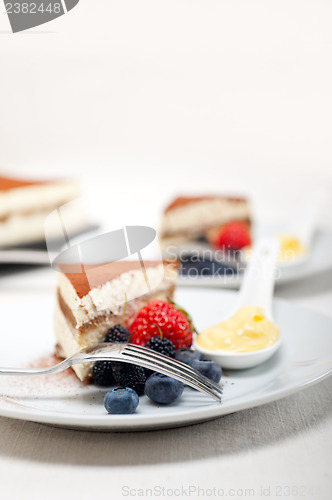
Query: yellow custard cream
{"x": 248, "y": 330}
{"x": 290, "y": 247}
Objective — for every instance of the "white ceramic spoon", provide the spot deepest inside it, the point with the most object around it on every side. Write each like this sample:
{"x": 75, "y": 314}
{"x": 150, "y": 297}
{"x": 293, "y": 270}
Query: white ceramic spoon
{"x": 256, "y": 290}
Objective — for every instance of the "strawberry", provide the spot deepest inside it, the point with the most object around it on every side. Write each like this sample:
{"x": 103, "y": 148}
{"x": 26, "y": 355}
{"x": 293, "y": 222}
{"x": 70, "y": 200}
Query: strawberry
{"x": 162, "y": 317}
{"x": 232, "y": 236}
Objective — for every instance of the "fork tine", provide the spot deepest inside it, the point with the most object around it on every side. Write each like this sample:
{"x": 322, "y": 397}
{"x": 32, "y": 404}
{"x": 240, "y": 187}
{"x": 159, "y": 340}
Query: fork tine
{"x": 142, "y": 360}
{"x": 193, "y": 381}
{"x": 131, "y": 353}
{"x": 110, "y": 351}
{"x": 175, "y": 363}
{"x": 161, "y": 364}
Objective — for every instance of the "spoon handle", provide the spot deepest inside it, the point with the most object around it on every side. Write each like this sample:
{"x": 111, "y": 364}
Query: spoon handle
{"x": 258, "y": 282}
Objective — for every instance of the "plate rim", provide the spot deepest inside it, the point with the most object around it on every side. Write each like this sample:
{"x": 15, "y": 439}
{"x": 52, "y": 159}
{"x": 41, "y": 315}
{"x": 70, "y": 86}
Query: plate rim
{"x": 125, "y": 423}
{"x": 98, "y": 422}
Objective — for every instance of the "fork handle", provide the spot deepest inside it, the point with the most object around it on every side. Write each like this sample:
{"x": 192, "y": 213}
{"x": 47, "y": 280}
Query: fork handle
{"x": 36, "y": 371}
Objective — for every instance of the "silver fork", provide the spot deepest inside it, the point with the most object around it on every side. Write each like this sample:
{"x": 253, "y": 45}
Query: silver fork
{"x": 130, "y": 353}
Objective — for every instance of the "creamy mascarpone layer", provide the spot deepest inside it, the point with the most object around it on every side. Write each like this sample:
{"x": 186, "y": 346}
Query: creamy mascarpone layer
{"x": 36, "y": 197}
{"x": 20, "y": 229}
{"x": 110, "y": 297}
{"x": 199, "y": 215}
{"x": 68, "y": 342}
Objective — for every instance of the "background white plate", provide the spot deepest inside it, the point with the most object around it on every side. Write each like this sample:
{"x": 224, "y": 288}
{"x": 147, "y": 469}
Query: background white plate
{"x": 304, "y": 358}
{"x": 319, "y": 260}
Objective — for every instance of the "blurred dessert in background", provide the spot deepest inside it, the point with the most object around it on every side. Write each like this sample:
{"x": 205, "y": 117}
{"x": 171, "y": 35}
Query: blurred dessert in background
{"x": 204, "y": 233}
{"x": 201, "y": 218}
{"x": 24, "y": 204}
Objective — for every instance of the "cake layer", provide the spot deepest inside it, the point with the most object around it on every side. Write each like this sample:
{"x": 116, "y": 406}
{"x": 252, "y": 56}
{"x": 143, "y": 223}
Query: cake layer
{"x": 71, "y": 338}
{"x": 181, "y": 201}
{"x": 104, "y": 289}
{"x": 195, "y": 215}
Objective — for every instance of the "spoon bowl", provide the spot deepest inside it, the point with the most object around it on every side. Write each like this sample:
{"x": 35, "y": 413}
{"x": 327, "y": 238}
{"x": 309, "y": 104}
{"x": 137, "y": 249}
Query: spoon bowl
{"x": 256, "y": 290}
{"x": 239, "y": 360}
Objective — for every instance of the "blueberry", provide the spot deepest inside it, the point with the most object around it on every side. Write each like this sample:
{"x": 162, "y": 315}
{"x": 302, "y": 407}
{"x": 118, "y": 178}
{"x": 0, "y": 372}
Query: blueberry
{"x": 121, "y": 400}
{"x": 208, "y": 368}
{"x": 187, "y": 355}
{"x": 162, "y": 389}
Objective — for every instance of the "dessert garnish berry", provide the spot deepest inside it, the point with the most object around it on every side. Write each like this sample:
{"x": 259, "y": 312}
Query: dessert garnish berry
{"x": 161, "y": 345}
{"x": 121, "y": 400}
{"x": 129, "y": 375}
{"x": 102, "y": 373}
{"x": 162, "y": 389}
{"x": 186, "y": 314}
{"x": 187, "y": 355}
{"x": 207, "y": 368}
{"x": 232, "y": 236}
{"x": 117, "y": 333}
{"x": 173, "y": 323}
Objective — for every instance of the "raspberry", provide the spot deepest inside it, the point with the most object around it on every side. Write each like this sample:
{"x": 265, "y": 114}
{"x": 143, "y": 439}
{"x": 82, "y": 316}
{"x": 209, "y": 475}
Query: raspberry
{"x": 232, "y": 236}
{"x": 159, "y": 317}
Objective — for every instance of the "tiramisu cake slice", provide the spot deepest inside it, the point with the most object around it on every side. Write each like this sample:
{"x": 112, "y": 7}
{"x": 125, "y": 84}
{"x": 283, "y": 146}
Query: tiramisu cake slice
{"x": 90, "y": 302}
{"x": 24, "y": 204}
{"x": 191, "y": 219}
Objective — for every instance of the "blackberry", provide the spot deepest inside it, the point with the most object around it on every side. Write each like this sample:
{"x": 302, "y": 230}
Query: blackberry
{"x": 102, "y": 373}
{"x": 117, "y": 333}
{"x": 161, "y": 345}
{"x": 128, "y": 375}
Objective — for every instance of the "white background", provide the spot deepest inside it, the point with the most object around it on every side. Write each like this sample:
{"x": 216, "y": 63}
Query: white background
{"x": 147, "y": 99}
{"x": 143, "y": 100}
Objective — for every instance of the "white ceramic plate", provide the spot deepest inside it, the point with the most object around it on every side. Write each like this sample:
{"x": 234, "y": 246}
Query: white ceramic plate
{"x": 319, "y": 260}
{"x": 61, "y": 400}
